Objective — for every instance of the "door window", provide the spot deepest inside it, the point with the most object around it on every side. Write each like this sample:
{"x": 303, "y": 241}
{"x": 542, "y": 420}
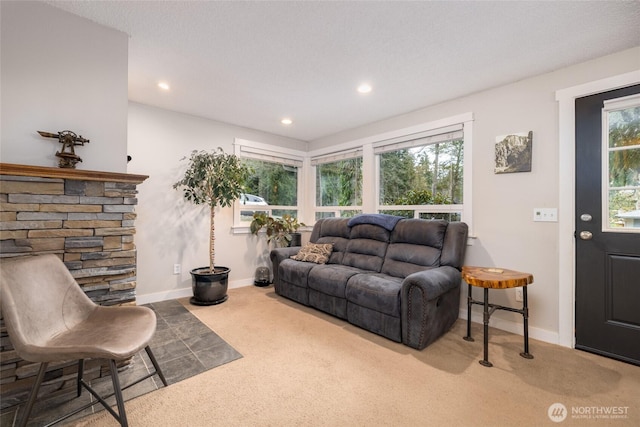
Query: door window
{"x": 621, "y": 164}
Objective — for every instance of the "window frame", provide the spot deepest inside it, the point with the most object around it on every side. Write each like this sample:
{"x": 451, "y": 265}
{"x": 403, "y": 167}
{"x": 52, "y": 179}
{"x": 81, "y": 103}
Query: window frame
{"x": 371, "y": 165}
{"x": 370, "y": 173}
{"x": 251, "y": 149}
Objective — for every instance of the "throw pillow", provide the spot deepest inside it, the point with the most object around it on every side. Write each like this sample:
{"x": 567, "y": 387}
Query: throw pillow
{"x": 314, "y": 252}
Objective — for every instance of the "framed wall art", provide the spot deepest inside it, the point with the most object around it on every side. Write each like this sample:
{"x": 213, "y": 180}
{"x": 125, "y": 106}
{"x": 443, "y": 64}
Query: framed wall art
{"x": 513, "y": 152}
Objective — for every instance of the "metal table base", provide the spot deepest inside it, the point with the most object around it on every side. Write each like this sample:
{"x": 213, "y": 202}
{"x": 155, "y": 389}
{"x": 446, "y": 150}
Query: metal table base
{"x": 489, "y": 309}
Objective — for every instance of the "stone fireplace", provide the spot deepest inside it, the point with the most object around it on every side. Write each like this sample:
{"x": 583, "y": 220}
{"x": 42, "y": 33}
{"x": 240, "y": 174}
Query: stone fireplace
{"x": 87, "y": 219}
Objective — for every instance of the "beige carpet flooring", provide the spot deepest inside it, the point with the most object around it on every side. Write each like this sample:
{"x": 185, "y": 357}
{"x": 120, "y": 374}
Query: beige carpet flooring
{"x": 304, "y": 368}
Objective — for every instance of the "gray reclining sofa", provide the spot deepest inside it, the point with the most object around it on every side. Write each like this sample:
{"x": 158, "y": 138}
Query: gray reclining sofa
{"x": 398, "y": 278}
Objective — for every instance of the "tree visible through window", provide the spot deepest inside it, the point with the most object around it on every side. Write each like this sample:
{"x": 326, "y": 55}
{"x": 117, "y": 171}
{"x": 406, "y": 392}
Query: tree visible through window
{"x": 276, "y": 184}
{"x": 430, "y": 175}
{"x": 339, "y": 184}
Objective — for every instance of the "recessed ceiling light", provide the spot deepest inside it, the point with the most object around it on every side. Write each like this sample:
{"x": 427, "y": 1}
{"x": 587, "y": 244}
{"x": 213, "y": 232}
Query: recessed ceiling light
{"x": 163, "y": 85}
{"x": 286, "y": 121}
{"x": 364, "y": 88}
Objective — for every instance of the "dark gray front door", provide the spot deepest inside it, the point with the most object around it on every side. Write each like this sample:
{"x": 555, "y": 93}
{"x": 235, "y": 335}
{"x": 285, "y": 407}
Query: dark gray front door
{"x": 608, "y": 224}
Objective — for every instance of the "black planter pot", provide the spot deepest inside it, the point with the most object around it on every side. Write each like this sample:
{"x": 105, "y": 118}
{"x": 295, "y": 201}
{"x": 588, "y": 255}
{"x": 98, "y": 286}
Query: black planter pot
{"x": 296, "y": 239}
{"x": 209, "y": 288}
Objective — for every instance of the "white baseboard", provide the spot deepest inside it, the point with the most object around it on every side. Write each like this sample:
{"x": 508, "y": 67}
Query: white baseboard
{"x": 513, "y": 327}
{"x": 181, "y": 293}
{"x": 162, "y": 296}
{"x": 240, "y": 283}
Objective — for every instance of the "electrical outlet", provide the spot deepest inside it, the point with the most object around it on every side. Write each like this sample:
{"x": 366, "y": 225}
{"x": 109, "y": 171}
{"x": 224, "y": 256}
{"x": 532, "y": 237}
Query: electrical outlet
{"x": 177, "y": 269}
{"x": 519, "y": 296}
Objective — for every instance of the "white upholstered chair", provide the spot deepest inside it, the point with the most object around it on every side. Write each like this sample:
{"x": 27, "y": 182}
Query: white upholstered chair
{"x": 50, "y": 319}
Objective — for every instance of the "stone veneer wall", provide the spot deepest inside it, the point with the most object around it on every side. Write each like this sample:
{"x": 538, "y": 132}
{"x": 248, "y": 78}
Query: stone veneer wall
{"x": 87, "y": 219}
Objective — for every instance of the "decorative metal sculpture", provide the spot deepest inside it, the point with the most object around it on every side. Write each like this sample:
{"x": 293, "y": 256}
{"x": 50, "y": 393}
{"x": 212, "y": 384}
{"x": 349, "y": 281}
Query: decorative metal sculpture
{"x": 68, "y": 139}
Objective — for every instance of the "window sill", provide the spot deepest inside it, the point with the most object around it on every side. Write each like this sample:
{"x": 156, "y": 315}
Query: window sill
{"x": 245, "y": 229}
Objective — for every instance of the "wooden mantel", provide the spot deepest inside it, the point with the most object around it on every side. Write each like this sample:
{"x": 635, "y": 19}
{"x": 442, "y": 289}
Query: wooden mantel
{"x": 64, "y": 173}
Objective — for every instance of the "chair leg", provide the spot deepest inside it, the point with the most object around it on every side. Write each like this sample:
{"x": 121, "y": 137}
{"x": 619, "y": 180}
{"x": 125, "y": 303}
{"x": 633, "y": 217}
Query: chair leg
{"x": 156, "y": 366}
{"x": 121, "y": 416}
{"x": 118, "y": 392}
{"x": 33, "y": 394}
{"x": 117, "y": 389}
{"x": 80, "y": 374}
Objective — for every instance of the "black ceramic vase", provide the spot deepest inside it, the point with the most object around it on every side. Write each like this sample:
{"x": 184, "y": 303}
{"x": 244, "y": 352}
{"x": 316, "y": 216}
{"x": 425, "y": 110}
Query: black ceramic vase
{"x": 209, "y": 288}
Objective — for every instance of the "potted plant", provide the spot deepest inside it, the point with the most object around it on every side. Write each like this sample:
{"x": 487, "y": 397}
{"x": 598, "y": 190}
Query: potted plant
{"x": 281, "y": 231}
{"x": 213, "y": 179}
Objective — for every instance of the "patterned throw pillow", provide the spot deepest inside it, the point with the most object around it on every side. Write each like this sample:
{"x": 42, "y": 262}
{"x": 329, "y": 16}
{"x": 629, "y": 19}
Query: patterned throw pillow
{"x": 314, "y": 252}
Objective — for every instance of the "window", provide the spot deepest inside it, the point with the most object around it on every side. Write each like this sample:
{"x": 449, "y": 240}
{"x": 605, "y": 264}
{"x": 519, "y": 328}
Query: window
{"x": 423, "y": 171}
{"x": 274, "y": 184}
{"x": 621, "y": 164}
{"x": 422, "y": 176}
{"x": 338, "y": 184}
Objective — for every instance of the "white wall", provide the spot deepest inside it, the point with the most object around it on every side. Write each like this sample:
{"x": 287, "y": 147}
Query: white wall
{"x": 61, "y": 72}
{"x": 171, "y": 231}
{"x": 503, "y": 204}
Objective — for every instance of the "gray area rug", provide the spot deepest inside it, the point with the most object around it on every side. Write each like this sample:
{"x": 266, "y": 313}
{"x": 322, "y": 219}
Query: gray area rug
{"x": 183, "y": 346}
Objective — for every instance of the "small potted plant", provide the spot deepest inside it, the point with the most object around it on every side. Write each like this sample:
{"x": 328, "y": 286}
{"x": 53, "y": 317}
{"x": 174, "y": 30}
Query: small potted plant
{"x": 214, "y": 179}
{"x": 281, "y": 232}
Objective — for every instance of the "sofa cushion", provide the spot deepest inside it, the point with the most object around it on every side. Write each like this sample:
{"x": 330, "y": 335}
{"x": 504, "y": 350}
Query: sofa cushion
{"x": 331, "y": 279}
{"x": 367, "y": 247}
{"x": 376, "y": 291}
{"x": 365, "y": 255}
{"x": 294, "y": 272}
{"x": 334, "y": 227}
{"x": 404, "y": 259}
{"x": 370, "y": 232}
{"x": 334, "y": 231}
{"x": 415, "y": 245}
{"x": 420, "y": 232}
{"x": 339, "y": 247}
{"x": 314, "y": 252}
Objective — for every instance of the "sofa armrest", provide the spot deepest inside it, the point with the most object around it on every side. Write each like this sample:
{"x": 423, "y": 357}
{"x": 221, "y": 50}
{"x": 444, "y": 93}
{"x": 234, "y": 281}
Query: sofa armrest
{"x": 278, "y": 255}
{"x": 430, "y": 303}
{"x": 433, "y": 282}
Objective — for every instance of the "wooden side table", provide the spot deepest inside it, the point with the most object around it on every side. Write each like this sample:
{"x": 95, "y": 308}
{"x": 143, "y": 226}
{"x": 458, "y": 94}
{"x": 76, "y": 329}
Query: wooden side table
{"x": 496, "y": 278}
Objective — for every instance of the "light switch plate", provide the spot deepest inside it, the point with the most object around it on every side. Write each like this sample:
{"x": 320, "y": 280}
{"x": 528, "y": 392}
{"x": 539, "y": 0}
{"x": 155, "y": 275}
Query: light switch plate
{"x": 545, "y": 214}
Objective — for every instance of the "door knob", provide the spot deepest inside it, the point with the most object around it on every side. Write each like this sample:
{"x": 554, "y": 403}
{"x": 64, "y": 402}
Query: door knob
{"x": 586, "y": 235}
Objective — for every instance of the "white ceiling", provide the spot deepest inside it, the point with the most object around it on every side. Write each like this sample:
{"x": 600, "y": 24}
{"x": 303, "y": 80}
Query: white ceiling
{"x": 253, "y": 63}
